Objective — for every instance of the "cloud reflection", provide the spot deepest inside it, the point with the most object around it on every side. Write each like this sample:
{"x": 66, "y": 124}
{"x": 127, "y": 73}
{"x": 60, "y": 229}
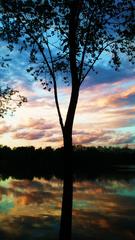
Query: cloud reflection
{"x": 103, "y": 209}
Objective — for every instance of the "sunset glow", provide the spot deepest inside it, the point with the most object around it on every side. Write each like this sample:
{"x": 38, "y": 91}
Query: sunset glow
{"x": 105, "y": 113}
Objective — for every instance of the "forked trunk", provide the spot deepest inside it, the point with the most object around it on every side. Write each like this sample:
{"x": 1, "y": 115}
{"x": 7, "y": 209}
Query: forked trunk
{"x": 66, "y": 215}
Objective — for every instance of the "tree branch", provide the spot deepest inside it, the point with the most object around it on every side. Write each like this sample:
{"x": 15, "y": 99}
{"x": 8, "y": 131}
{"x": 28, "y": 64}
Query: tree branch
{"x": 41, "y": 49}
{"x": 97, "y": 57}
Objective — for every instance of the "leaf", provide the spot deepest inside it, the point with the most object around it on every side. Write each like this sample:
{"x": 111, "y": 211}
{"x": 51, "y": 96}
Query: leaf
{"x": 29, "y": 69}
{"x": 65, "y": 48}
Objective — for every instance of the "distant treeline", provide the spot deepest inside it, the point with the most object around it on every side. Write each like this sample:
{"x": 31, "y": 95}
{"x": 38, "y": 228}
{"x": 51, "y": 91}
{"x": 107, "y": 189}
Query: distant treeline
{"x": 27, "y": 162}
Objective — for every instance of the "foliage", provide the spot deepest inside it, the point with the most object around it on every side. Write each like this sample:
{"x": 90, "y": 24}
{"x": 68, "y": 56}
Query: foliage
{"x": 67, "y": 38}
{"x": 9, "y": 99}
{"x": 43, "y": 26}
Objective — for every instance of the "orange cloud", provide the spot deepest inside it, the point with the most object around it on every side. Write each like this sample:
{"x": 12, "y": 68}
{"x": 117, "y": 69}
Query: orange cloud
{"x": 4, "y": 129}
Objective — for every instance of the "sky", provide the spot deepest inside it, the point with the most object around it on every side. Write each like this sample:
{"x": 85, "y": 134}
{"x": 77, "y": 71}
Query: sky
{"x": 105, "y": 112}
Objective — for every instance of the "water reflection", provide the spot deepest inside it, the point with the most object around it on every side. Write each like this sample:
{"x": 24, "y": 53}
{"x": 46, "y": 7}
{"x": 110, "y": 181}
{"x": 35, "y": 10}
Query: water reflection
{"x": 109, "y": 211}
{"x": 103, "y": 209}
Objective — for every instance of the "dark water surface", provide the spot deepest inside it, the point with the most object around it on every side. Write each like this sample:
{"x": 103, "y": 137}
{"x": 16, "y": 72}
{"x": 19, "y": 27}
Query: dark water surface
{"x": 104, "y": 209}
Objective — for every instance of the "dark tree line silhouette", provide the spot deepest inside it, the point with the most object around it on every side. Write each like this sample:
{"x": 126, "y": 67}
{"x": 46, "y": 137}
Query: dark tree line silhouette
{"x": 88, "y": 162}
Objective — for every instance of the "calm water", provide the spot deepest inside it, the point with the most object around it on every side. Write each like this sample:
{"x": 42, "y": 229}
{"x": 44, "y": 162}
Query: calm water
{"x": 103, "y": 209}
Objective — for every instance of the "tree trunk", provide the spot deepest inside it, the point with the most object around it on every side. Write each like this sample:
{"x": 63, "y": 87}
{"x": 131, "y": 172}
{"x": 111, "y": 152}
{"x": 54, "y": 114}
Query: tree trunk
{"x": 66, "y": 214}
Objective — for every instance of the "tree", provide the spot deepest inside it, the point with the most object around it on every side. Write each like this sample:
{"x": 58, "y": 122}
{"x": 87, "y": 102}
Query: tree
{"x": 66, "y": 39}
{"x": 9, "y": 97}
{"x": 9, "y": 100}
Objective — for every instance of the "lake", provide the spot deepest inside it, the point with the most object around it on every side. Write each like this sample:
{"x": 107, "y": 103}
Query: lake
{"x": 103, "y": 209}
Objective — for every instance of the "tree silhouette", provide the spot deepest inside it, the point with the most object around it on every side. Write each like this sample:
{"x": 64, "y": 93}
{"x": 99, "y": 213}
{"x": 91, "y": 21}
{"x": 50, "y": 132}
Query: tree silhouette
{"x": 66, "y": 39}
{"x": 9, "y": 100}
{"x": 9, "y": 97}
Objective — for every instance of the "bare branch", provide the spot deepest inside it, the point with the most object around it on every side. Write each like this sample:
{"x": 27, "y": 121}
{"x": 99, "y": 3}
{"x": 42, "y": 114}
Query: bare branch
{"x": 52, "y": 73}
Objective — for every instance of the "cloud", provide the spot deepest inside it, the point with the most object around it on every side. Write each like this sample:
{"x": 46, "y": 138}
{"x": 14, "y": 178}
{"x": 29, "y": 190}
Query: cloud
{"x": 54, "y": 139}
{"x": 127, "y": 138}
{"x": 125, "y": 100}
{"x": 26, "y": 184}
{"x": 104, "y": 137}
{"x": 35, "y": 129}
{"x": 28, "y": 192}
{"x": 33, "y": 192}
{"x": 4, "y": 129}
{"x": 33, "y": 197}
{"x": 105, "y": 99}
{"x": 106, "y": 107}
{"x": 93, "y": 136}
{"x": 37, "y": 101}
{"x": 29, "y": 135}
{"x": 16, "y": 72}
{"x": 39, "y": 124}
{"x": 121, "y": 112}
{"x": 106, "y": 74}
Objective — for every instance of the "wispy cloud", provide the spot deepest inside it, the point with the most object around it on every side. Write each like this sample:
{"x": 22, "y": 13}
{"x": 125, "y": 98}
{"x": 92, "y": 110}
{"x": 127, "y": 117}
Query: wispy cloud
{"x": 4, "y": 129}
{"x": 104, "y": 137}
{"x": 39, "y": 124}
{"x": 106, "y": 74}
{"x": 28, "y": 135}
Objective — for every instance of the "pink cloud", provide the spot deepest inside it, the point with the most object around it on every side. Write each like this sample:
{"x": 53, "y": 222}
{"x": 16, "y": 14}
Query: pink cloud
{"x": 54, "y": 139}
{"x": 104, "y": 137}
{"x": 94, "y": 136}
{"x": 37, "y": 124}
{"x": 101, "y": 97}
{"x": 28, "y": 135}
{"x": 4, "y": 129}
